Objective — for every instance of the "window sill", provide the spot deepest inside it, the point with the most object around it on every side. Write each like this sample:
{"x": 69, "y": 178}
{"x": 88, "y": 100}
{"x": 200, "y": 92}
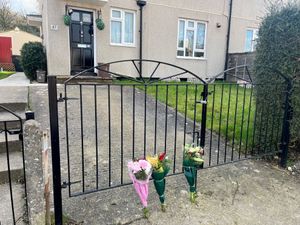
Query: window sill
{"x": 191, "y": 58}
{"x": 123, "y": 45}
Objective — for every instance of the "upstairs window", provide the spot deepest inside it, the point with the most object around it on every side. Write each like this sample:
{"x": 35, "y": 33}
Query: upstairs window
{"x": 122, "y": 27}
{"x": 191, "y": 39}
{"x": 251, "y": 40}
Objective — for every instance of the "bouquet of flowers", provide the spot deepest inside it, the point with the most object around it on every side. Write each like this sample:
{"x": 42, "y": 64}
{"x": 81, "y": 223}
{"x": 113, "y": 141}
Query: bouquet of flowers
{"x": 161, "y": 167}
{"x": 192, "y": 160}
{"x": 140, "y": 172}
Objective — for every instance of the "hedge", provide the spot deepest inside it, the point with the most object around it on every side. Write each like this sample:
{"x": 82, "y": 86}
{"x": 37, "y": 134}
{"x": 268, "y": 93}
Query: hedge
{"x": 278, "y": 52}
{"x": 33, "y": 58}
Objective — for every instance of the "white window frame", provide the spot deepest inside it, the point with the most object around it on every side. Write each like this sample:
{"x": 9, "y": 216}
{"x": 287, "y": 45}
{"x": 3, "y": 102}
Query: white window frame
{"x": 186, "y": 21}
{"x": 253, "y": 40}
{"x": 122, "y": 20}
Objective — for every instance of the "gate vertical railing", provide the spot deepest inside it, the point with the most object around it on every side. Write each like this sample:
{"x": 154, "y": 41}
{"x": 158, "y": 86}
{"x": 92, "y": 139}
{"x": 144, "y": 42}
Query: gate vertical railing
{"x": 204, "y": 115}
{"x": 55, "y": 148}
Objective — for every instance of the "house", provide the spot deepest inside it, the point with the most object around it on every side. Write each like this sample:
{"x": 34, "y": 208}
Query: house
{"x": 194, "y": 34}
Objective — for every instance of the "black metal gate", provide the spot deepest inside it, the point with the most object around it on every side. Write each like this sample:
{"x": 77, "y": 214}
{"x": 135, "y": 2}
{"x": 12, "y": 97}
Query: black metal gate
{"x": 12, "y": 173}
{"x": 104, "y": 125}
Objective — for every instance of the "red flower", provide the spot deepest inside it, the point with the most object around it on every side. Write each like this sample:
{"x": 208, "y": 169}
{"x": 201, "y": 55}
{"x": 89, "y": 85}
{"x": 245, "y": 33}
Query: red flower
{"x": 162, "y": 156}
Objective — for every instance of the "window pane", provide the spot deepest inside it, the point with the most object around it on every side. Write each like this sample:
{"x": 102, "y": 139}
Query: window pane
{"x": 86, "y": 18}
{"x": 181, "y": 33}
{"x": 191, "y": 24}
{"x": 128, "y": 27}
{"x": 200, "y": 36}
{"x": 180, "y": 53}
{"x": 116, "y": 30}
{"x": 199, "y": 54}
{"x": 116, "y": 14}
{"x": 249, "y": 36}
{"x": 255, "y": 36}
{"x": 189, "y": 45}
{"x": 75, "y": 16}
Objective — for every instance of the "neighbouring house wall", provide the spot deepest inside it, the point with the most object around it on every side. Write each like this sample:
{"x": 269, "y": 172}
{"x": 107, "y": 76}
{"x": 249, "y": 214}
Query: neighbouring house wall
{"x": 19, "y": 38}
{"x": 160, "y": 33}
{"x": 245, "y": 14}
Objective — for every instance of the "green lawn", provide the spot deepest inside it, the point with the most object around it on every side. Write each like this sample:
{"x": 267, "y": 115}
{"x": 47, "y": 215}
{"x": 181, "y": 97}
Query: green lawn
{"x": 230, "y": 118}
{"x": 5, "y": 74}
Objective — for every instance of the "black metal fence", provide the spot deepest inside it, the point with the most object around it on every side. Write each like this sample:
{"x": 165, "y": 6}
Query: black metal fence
{"x": 106, "y": 125}
{"x": 14, "y": 207}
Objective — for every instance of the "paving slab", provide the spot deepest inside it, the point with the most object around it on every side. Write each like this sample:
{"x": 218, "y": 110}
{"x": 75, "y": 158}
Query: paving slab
{"x": 17, "y": 79}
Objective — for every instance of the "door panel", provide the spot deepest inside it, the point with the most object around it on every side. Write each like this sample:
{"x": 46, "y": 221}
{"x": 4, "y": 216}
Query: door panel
{"x": 87, "y": 34}
{"x": 81, "y": 41}
{"x": 75, "y": 31}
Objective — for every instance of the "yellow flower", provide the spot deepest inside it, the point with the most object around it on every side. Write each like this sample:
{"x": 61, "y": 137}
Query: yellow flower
{"x": 153, "y": 161}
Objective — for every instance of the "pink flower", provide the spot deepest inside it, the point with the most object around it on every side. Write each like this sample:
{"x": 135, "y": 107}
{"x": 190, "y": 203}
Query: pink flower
{"x": 134, "y": 166}
{"x": 145, "y": 165}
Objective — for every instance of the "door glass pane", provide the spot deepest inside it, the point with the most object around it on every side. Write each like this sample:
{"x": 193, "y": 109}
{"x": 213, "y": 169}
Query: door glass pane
{"x": 249, "y": 36}
{"x": 189, "y": 45}
{"x": 87, "y": 18}
{"x": 129, "y": 27}
{"x": 181, "y": 33}
{"x": 116, "y": 14}
{"x": 75, "y": 16}
{"x": 200, "y": 36}
{"x": 116, "y": 30}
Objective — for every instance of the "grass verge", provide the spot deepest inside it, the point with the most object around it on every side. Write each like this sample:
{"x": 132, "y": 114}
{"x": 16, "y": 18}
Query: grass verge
{"x": 5, "y": 74}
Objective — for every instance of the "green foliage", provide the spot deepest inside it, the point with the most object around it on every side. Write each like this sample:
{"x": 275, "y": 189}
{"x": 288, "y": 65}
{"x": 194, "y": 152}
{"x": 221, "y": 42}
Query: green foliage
{"x": 33, "y": 58}
{"x": 100, "y": 24}
{"x": 5, "y": 74}
{"x": 278, "y": 53}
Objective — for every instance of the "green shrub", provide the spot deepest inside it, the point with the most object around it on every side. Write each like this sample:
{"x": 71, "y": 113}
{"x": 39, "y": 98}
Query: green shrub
{"x": 33, "y": 58}
{"x": 278, "y": 52}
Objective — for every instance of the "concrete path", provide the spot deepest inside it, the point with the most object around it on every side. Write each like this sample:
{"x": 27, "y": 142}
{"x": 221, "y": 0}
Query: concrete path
{"x": 17, "y": 79}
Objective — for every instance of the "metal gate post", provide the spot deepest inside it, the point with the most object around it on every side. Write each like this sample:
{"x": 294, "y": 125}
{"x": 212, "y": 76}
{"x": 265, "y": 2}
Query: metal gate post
{"x": 288, "y": 114}
{"x": 54, "y": 129}
{"x": 204, "y": 115}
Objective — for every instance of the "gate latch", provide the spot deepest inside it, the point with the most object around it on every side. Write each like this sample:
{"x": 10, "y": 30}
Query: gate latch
{"x": 65, "y": 184}
{"x": 203, "y": 102}
{"x": 62, "y": 99}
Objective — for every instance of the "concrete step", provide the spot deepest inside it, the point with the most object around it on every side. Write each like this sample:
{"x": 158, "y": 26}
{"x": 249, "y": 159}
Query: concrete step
{"x": 14, "y": 106}
{"x": 14, "y": 144}
{"x": 14, "y": 98}
{"x": 16, "y": 167}
{"x": 12, "y": 122}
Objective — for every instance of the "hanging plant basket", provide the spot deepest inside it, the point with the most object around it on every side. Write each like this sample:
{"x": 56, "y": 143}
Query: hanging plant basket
{"x": 100, "y": 24}
{"x": 67, "y": 20}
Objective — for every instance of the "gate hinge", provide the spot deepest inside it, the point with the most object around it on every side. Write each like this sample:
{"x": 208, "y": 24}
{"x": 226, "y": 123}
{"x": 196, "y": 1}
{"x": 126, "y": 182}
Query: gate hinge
{"x": 65, "y": 184}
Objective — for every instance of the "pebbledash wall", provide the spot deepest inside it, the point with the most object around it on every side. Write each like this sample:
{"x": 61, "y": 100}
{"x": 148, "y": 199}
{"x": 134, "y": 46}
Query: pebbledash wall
{"x": 160, "y": 29}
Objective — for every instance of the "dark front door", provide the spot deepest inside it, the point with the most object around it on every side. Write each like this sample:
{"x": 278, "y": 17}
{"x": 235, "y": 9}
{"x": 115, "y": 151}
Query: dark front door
{"x": 82, "y": 41}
